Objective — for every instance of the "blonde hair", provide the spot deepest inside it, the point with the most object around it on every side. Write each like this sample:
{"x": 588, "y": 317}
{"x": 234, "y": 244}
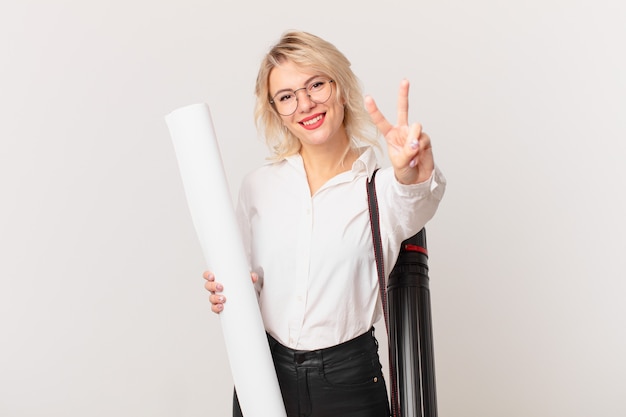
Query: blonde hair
{"x": 311, "y": 52}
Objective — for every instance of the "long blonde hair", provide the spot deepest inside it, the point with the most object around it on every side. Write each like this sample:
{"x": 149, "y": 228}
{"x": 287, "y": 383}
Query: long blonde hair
{"x": 310, "y": 52}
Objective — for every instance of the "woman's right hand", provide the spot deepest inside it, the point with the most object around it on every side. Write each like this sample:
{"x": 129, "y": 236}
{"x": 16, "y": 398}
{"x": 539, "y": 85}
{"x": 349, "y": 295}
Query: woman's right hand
{"x": 216, "y": 298}
{"x": 215, "y": 288}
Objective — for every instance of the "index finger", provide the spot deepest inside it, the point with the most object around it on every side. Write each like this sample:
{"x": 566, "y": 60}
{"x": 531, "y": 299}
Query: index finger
{"x": 379, "y": 120}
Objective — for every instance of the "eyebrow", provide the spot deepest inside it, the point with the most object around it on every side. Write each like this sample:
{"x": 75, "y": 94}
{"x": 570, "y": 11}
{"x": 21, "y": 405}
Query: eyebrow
{"x": 305, "y": 84}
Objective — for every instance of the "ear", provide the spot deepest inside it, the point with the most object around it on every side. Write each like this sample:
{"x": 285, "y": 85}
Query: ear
{"x": 344, "y": 98}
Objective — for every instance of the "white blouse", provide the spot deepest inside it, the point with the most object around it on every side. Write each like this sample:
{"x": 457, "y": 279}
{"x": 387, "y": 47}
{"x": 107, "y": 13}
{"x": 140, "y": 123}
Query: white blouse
{"x": 314, "y": 254}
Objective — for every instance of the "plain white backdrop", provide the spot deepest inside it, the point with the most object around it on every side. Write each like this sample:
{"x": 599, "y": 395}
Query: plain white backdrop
{"x": 102, "y": 306}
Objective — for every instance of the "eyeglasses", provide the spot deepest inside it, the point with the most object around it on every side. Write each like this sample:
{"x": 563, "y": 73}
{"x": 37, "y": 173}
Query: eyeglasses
{"x": 318, "y": 90}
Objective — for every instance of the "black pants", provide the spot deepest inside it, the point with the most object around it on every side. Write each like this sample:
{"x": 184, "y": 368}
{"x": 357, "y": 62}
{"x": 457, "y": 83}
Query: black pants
{"x": 344, "y": 380}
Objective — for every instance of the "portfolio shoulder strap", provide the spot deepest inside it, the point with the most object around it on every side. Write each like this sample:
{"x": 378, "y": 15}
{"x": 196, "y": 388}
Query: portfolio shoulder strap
{"x": 372, "y": 201}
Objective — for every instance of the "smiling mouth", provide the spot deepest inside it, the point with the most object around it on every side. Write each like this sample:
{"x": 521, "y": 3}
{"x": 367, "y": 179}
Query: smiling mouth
{"x": 312, "y": 121}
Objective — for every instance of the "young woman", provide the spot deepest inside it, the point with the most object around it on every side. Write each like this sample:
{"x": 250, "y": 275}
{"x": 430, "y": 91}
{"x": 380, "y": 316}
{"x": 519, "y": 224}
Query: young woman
{"x": 305, "y": 224}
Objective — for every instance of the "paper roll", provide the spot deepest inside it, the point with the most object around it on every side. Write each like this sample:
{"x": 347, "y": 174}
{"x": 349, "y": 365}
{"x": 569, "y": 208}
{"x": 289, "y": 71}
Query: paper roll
{"x": 211, "y": 208}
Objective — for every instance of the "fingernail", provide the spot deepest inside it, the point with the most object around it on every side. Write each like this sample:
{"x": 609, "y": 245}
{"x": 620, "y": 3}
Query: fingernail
{"x": 414, "y": 144}
{"x": 219, "y": 287}
{"x": 220, "y": 299}
{"x": 412, "y": 163}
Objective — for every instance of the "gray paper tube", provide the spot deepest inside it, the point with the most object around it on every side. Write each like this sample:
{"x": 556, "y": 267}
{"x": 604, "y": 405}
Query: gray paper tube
{"x": 210, "y": 204}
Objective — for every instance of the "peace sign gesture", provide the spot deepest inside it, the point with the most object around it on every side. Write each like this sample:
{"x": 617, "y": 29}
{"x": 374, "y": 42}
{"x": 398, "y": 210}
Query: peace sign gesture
{"x": 408, "y": 147}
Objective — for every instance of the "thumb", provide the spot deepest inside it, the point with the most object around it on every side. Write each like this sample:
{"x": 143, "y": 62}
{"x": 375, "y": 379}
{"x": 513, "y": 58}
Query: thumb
{"x": 412, "y": 144}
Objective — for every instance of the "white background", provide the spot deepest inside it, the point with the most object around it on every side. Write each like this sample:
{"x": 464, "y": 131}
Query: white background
{"x": 102, "y": 306}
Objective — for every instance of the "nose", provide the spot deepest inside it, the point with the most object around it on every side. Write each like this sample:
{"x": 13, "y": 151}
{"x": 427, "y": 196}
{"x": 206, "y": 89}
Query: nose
{"x": 304, "y": 101}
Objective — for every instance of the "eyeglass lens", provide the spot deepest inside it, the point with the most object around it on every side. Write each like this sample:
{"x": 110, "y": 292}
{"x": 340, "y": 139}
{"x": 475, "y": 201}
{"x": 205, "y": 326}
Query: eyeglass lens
{"x": 318, "y": 90}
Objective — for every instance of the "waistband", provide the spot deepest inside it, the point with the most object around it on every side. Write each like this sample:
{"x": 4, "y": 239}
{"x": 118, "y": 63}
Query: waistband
{"x": 364, "y": 342}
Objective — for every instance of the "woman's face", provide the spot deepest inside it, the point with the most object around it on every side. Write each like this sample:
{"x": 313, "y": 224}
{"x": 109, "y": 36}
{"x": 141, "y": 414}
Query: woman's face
{"x": 314, "y": 124}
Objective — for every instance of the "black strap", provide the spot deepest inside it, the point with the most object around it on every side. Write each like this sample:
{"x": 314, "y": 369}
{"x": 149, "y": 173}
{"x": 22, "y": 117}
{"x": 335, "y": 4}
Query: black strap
{"x": 372, "y": 201}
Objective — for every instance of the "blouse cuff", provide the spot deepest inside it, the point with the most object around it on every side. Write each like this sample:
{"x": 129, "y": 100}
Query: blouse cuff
{"x": 434, "y": 185}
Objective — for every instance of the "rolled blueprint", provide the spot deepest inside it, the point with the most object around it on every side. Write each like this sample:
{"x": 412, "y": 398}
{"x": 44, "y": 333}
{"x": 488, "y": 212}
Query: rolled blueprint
{"x": 211, "y": 208}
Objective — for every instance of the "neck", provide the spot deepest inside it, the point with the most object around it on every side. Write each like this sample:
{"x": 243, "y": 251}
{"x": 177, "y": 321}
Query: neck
{"x": 323, "y": 163}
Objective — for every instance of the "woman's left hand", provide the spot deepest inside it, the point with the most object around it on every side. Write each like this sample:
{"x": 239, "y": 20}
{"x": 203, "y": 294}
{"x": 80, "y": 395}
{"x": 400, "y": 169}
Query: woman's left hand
{"x": 409, "y": 148}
